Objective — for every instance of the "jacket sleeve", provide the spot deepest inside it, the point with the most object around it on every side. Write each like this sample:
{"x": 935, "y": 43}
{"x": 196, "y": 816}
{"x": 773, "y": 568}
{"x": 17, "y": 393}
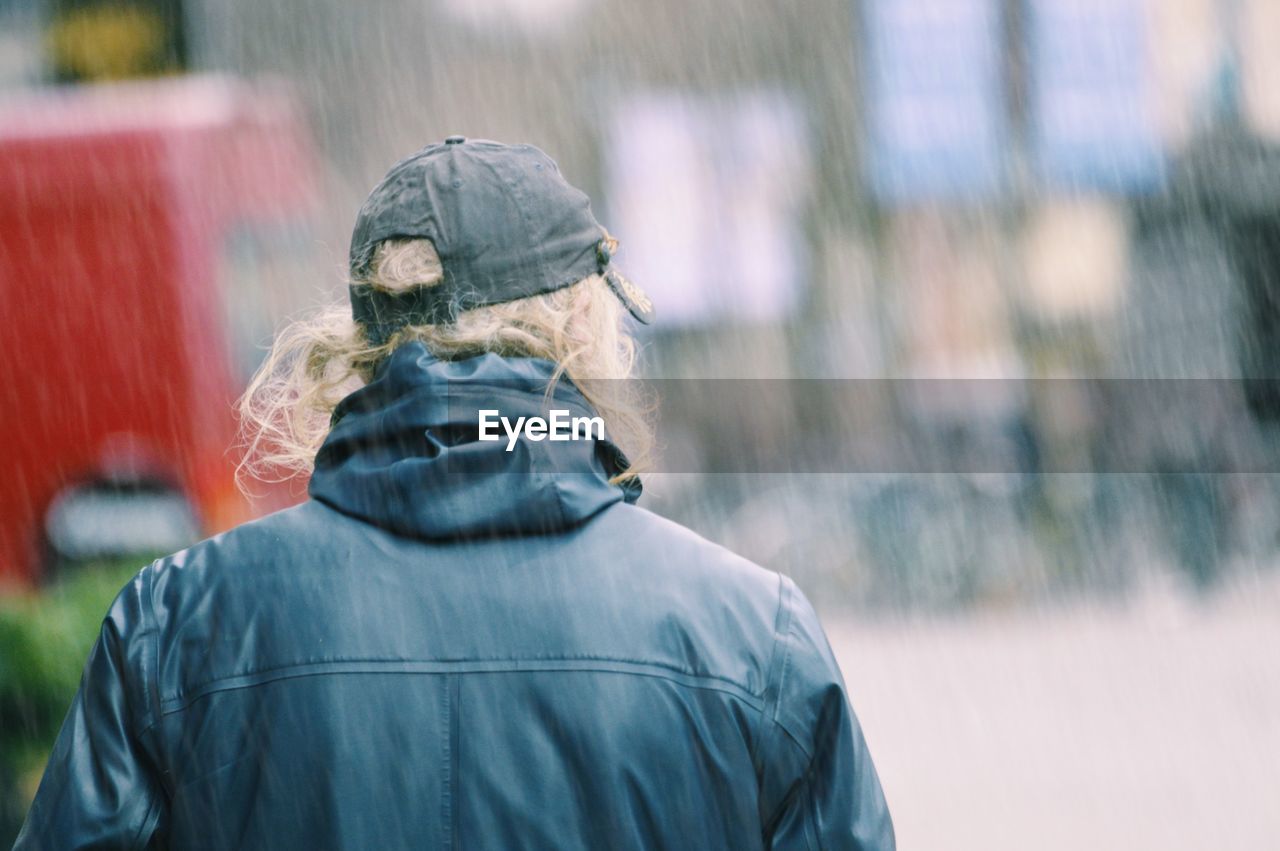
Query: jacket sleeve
{"x": 99, "y": 788}
{"x": 819, "y": 789}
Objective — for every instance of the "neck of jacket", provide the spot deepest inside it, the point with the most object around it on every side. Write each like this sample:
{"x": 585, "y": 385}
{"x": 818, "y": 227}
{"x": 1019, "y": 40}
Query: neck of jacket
{"x": 405, "y": 452}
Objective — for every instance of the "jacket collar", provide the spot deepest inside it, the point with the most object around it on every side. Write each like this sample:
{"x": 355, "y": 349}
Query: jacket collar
{"x": 404, "y": 453}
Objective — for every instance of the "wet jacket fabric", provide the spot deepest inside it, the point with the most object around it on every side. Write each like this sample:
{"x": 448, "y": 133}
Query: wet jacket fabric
{"x": 455, "y": 646}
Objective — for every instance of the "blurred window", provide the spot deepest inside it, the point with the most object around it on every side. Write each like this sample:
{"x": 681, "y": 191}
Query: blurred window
{"x": 706, "y": 194}
{"x": 1093, "y": 120}
{"x": 935, "y": 100}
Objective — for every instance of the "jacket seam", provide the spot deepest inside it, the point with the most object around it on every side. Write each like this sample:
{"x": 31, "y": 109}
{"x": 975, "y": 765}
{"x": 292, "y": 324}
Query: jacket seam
{"x": 777, "y": 669}
{"x": 150, "y": 696}
{"x": 455, "y": 746}
{"x": 786, "y": 663}
{"x": 445, "y": 665}
{"x": 780, "y": 655}
{"x": 465, "y": 666}
{"x": 795, "y": 740}
{"x": 151, "y": 691}
{"x": 446, "y": 763}
{"x": 155, "y": 705}
{"x": 777, "y": 721}
{"x": 148, "y": 825}
{"x": 779, "y": 626}
{"x": 806, "y": 778}
{"x": 812, "y": 839}
{"x": 782, "y": 687}
{"x": 777, "y": 711}
{"x": 811, "y": 836}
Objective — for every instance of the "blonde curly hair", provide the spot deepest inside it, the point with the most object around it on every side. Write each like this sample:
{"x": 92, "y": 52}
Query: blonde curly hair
{"x": 315, "y": 361}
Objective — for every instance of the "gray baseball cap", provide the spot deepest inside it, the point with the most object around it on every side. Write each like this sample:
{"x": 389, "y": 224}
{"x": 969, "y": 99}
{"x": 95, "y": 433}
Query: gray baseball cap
{"x": 506, "y": 225}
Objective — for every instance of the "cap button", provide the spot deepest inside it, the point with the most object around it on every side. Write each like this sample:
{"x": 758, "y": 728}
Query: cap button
{"x": 455, "y": 140}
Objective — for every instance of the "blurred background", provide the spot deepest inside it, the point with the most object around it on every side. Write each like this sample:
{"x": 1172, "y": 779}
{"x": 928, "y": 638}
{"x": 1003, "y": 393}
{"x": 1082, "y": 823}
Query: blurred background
{"x": 1073, "y": 646}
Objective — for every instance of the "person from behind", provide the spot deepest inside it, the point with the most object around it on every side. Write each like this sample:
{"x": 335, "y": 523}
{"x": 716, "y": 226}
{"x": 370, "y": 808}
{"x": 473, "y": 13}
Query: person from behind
{"x": 460, "y": 641}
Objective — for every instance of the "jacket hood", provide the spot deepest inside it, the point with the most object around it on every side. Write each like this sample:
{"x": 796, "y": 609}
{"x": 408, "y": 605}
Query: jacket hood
{"x": 405, "y": 453}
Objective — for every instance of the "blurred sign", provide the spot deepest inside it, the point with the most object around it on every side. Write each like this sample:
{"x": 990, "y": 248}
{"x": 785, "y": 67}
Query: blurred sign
{"x": 1094, "y": 104}
{"x": 935, "y": 108}
{"x": 705, "y": 194}
{"x": 115, "y": 39}
{"x": 529, "y": 17}
{"x": 1185, "y": 44}
{"x": 1075, "y": 254}
{"x": 1260, "y": 71}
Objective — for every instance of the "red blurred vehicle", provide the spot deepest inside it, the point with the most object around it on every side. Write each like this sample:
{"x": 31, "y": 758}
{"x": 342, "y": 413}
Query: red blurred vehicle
{"x": 149, "y": 233}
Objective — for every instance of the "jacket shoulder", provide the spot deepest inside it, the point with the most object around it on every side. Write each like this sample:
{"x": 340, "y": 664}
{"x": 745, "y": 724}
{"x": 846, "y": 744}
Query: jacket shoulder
{"x": 245, "y": 550}
{"x": 803, "y": 668}
{"x": 215, "y": 592}
{"x": 679, "y": 554}
{"x": 728, "y": 611}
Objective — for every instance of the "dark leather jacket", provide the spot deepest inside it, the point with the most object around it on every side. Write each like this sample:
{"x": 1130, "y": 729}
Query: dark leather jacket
{"x": 455, "y": 646}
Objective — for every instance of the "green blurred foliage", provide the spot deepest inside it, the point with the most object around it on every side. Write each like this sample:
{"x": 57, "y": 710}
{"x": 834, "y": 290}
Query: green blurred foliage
{"x": 45, "y": 636}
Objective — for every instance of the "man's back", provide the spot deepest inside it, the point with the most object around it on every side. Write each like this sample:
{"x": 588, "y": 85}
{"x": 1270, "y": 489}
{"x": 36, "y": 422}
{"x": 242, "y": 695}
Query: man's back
{"x": 604, "y": 680}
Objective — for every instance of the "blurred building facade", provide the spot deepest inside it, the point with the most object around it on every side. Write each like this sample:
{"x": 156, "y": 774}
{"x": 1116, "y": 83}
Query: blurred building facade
{"x": 999, "y": 189}
{"x": 845, "y": 137}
